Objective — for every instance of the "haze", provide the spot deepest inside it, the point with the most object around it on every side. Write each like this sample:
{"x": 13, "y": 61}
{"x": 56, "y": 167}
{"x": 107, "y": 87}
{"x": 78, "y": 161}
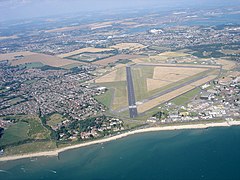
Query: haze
{"x": 19, "y": 9}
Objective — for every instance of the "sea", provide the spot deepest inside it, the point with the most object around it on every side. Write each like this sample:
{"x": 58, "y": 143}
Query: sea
{"x": 203, "y": 154}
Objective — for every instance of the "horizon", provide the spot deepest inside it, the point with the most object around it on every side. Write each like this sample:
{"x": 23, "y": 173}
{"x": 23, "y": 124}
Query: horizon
{"x": 28, "y": 9}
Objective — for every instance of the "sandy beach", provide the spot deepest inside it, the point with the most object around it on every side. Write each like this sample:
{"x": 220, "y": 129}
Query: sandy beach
{"x": 151, "y": 129}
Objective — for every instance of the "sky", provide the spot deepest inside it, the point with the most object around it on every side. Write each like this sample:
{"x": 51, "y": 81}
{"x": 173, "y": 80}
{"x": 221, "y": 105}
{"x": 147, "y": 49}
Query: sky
{"x": 23, "y": 9}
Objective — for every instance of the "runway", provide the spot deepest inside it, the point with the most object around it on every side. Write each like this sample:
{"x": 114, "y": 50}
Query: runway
{"x": 131, "y": 94}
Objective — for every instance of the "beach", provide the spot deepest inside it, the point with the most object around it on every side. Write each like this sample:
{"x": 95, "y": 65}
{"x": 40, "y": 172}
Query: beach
{"x": 107, "y": 139}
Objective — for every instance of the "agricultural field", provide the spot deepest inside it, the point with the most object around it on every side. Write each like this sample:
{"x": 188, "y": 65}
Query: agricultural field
{"x": 226, "y": 64}
{"x": 128, "y": 46}
{"x": 85, "y": 50}
{"x": 116, "y": 58}
{"x": 162, "y": 57}
{"x": 90, "y": 57}
{"x": 230, "y": 52}
{"x": 26, "y": 57}
{"x": 8, "y": 37}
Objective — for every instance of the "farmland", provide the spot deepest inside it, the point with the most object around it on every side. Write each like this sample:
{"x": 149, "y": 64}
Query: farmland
{"x": 85, "y": 50}
{"x": 26, "y": 57}
{"x": 128, "y": 46}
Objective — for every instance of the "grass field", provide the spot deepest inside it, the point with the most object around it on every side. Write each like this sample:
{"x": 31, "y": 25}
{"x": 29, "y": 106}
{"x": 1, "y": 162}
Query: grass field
{"x": 26, "y": 127}
{"x": 30, "y": 148}
{"x": 118, "y": 92}
{"x": 183, "y": 99}
{"x": 148, "y": 80}
{"x": 117, "y": 75}
{"x": 15, "y": 133}
{"x": 106, "y": 98}
{"x": 113, "y": 59}
{"x": 164, "y": 98}
{"x": 54, "y": 120}
{"x": 162, "y": 57}
{"x": 90, "y": 57}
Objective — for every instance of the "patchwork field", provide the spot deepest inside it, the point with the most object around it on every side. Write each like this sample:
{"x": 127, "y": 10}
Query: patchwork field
{"x": 115, "y": 81}
{"x": 90, "y": 57}
{"x": 116, "y": 58}
{"x": 174, "y": 74}
{"x": 85, "y": 50}
{"x": 163, "y": 57}
{"x": 129, "y": 46}
{"x": 148, "y": 80}
{"x": 30, "y": 57}
{"x": 164, "y": 98}
{"x": 227, "y": 65}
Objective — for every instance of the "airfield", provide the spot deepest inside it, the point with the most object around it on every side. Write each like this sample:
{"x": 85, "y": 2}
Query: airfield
{"x": 141, "y": 82}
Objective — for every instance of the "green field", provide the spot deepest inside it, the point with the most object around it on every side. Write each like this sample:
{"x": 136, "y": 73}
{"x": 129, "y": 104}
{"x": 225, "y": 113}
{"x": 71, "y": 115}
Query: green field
{"x": 25, "y": 128}
{"x": 183, "y": 99}
{"x": 106, "y": 98}
{"x": 15, "y": 133}
{"x": 140, "y": 75}
{"x": 54, "y": 119}
{"x": 30, "y": 147}
{"x": 118, "y": 90}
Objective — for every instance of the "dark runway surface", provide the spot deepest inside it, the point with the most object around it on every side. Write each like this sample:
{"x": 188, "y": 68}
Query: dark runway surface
{"x": 131, "y": 95}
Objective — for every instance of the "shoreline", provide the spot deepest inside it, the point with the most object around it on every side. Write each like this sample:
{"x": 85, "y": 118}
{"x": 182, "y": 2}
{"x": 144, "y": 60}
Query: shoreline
{"x": 138, "y": 131}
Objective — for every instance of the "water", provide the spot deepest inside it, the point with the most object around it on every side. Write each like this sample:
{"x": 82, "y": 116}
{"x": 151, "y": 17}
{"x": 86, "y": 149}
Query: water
{"x": 186, "y": 154}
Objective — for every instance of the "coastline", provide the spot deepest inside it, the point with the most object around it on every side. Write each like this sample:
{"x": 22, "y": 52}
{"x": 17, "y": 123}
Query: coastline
{"x": 138, "y": 131}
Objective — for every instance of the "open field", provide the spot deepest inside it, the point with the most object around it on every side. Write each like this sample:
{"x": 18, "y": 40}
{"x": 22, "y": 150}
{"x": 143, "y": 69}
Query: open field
{"x": 149, "y": 80}
{"x": 226, "y": 64}
{"x": 15, "y": 133}
{"x": 8, "y": 37}
{"x": 30, "y": 147}
{"x": 118, "y": 91}
{"x": 183, "y": 99}
{"x": 100, "y": 25}
{"x": 230, "y": 51}
{"x": 129, "y": 46}
{"x": 85, "y": 50}
{"x": 106, "y": 98}
{"x": 174, "y": 74}
{"x": 162, "y": 57}
{"x": 26, "y": 127}
{"x": 90, "y": 57}
{"x": 153, "y": 84}
{"x": 116, "y": 58}
{"x": 54, "y": 120}
{"x": 30, "y": 57}
{"x": 164, "y": 98}
{"x": 114, "y": 76}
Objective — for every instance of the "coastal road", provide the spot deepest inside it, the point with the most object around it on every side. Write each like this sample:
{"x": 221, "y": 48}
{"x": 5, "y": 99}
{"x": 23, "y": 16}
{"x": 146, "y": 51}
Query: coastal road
{"x": 131, "y": 94}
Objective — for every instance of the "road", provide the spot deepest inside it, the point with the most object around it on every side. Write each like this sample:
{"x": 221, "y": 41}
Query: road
{"x": 131, "y": 94}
